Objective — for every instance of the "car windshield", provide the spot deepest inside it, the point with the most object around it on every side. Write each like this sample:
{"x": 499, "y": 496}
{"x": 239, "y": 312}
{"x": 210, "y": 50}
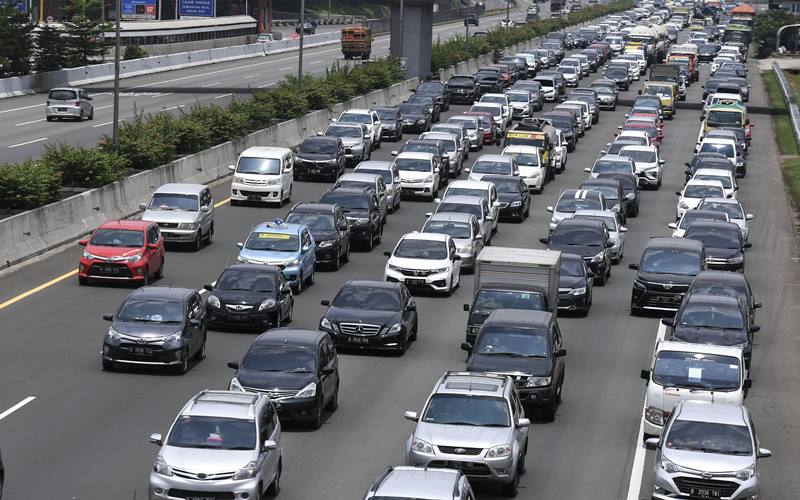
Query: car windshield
{"x": 63, "y": 95}
{"x": 347, "y": 200}
{"x": 509, "y": 341}
{"x": 706, "y": 316}
{"x": 385, "y": 174}
{"x": 658, "y": 90}
{"x": 367, "y": 297}
{"x": 129, "y": 238}
{"x": 435, "y": 87}
{"x": 461, "y": 191}
{"x": 725, "y": 149}
{"x": 726, "y": 181}
{"x": 570, "y": 204}
{"x": 469, "y": 123}
{"x": 461, "y": 81}
{"x": 709, "y": 437}
{"x": 246, "y": 280}
{"x": 494, "y": 99}
{"x": 262, "y": 166}
{"x": 267, "y": 241}
{"x": 518, "y": 97}
{"x": 462, "y": 409}
{"x": 715, "y": 238}
{"x": 280, "y": 358}
{"x": 622, "y": 167}
{"x": 413, "y": 165}
{"x": 507, "y": 185}
{"x": 315, "y": 222}
{"x": 718, "y": 118}
{"x": 701, "y": 191}
{"x": 492, "y": 110}
{"x": 387, "y": 114}
{"x": 616, "y": 147}
{"x": 671, "y": 261}
{"x": 334, "y": 131}
{"x": 421, "y": 249}
{"x": 546, "y": 82}
{"x": 355, "y": 118}
{"x": 570, "y": 70}
{"x": 491, "y": 167}
{"x": 734, "y": 210}
{"x": 639, "y": 155}
{"x": 571, "y": 267}
{"x": 314, "y": 147}
{"x": 411, "y": 109}
{"x": 448, "y": 141}
{"x": 617, "y": 72}
{"x": 568, "y": 236}
{"x": 167, "y": 201}
{"x": 525, "y": 159}
{"x": 460, "y": 208}
{"x": 712, "y": 372}
{"x": 151, "y": 311}
{"x": 459, "y": 230}
{"x": 217, "y": 433}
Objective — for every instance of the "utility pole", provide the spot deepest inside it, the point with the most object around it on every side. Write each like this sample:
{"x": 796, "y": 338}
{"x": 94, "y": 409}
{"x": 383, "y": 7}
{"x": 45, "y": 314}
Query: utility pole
{"x": 115, "y": 133}
{"x": 402, "y": 30}
{"x": 300, "y": 52}
{"x": 508, "y": 14}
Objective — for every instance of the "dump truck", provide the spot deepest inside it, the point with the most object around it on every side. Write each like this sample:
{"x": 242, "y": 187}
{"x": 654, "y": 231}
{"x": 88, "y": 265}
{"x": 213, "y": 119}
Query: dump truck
{"x": 356, "y": 42}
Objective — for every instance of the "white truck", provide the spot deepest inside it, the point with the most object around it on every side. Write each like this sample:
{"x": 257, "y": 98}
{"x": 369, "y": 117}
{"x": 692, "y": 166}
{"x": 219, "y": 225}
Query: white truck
{"x": 512, "y": 278}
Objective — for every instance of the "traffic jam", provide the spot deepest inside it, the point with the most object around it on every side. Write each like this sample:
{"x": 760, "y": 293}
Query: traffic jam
{"x": 520, "y": 120}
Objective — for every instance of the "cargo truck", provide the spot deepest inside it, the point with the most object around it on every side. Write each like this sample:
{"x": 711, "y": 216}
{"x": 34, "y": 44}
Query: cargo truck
{"x": 356, "y": 42}
{"x": 512, "y": 278}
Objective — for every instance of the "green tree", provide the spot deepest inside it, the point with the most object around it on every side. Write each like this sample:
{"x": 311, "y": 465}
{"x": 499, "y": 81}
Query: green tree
{"x": 90, "y": 9}
{"x": 16, "y": 41}
{"x": 49, "y": 54}
{"x": 85, "y": 43}
{"x": 766, "y": 27}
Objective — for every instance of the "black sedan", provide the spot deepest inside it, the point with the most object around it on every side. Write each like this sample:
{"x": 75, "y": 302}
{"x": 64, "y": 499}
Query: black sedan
{"x": 513, "y": 195}
{"x": 575, "y": 284}
{"x": 391, "y": 122}
{"x": 630, "y": 187}
{"x": 156, "y": 327}
{"x": 249, "y": 296}
{"x": 416, "y": 117}
{"x": 587, "y": 238}
{"x": 330, "y": 229}
{"x": 372, "y": 315}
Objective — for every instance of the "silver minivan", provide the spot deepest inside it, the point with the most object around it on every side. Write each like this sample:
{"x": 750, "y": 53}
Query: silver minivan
{"x": 223, "y": 444}
{"x": 184, "y": 213}
{"x": 417, "y": 482}
{"x": 375, "y": 181}
{"x": 70, "y": 103}
{"x": 391, "y": 178}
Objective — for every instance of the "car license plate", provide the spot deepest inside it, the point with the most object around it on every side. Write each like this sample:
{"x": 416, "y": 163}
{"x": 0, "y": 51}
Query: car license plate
{"x": 63, "y": 110}
{"x": 455, "y": 464}
{"x": 238, "y": 317}
{"x": 143, "y": 351}
{"x": 313, "y": 170}
{"x": 412, "y": 281}
{"x": 705, "y": 493}
{"x": 358, "y": 340}
{"x": 254, "y": 197}
{"x": 201, "y": 498}
{"x": 110, "y": 270}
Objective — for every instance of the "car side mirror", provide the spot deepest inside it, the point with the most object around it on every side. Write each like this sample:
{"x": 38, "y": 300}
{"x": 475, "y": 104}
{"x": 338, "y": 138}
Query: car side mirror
{"x": 108, "y": 317}
{"x": 662, "y": 162}
{"x": 634, "y": 267}
{"x": 152, "y": 246}
{"x": 328, "y": 370}
{"x": 466, "y": 307}
{"x": 687, "y": 172}
{"x": 587, "y": 170}
{"x": 668, "y": 322}
{"x": 560, "y": 353}
{"x": 651, "y": 443}
{"x": 522, "y": 423}
{"x": 623, "y": 229}
{"x": 757, "y": 305}
{"x": 156, "y": 439}
{"x": 602, "y": 152}
{"x": 411, "y": 307}
{"x": 428, "y": 214}
{"x": 748, "y": 217}
{"x": 456, "y": 257}
{"x": 83, "y": 242}
{"x": 411, "y": 415}
{"x": 195, "y": 322}
{"x": 755, "y": 328}
{"x": 747, "y": 383}
{"x": 466, "y": 346}
{"x": 268, "y": 445}
{"x": 747, "y": 245}
{"x": 672, "y": 225}
{"x": 549, "y": 209}
{"x": 231, "y": 167}
{"x": 325, "y": 302}
{"x": 142, "y": 206}
{"x": 233, "y": 365}
{"x": 645, "y": 374}
{"x": 240, "y": 244}
{"x": 544, "y": 241}
{"x": 208, "y": 286}
{"x": 764, "y": 453}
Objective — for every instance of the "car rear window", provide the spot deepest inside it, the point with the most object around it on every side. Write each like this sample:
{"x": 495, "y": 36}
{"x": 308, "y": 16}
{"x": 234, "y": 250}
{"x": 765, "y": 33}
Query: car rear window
{"x": 63, "y": 95}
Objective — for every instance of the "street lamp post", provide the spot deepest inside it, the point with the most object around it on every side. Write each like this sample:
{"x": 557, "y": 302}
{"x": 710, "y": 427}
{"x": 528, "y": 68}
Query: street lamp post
{"x": 300, "y": 52}
{"x": 508, "y": 14}
{"x": 115, "y": 133}
{"x": 402, "y": 30}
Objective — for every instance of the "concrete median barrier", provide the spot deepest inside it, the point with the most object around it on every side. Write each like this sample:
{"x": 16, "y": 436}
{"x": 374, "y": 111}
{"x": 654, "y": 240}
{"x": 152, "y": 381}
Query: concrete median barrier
{"x": 31, "y": 233}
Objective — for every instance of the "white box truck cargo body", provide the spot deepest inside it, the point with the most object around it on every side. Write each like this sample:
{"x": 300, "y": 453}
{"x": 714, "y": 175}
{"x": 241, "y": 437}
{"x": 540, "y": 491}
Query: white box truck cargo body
{"x": 520, "y": 266}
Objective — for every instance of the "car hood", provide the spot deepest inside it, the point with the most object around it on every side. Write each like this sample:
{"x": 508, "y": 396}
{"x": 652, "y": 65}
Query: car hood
{"x": 265, "y": 257}
{"x": 274, "y": 380}
{"x": 538, "y": 367}
{"x": 320, "y": 236}
{"x": 571, "y": 281}
{"x": 170, "y": 215}
{"x": 641, "y": 165}
{"x": 412, "y": 116}
{"x": 422, "y": 264}
{"x": 722, "y": 253}
{"x": 707, "y": 462}
{"x": 467, "y": 436}
{"x": 674, "y": 279}
{"x": 244, "y": 297}
{"x": 208, "y": 461}
{"x": 351, "y": 141}
{"x": 413, "y": 175}
{"x": 475, "y": 176}
{"x": 368, "y": 316}
{"x": 315, "y": 157}
{"x": 700, "y": 335}
{"x": 117, "y": 253}
{"x": 462, "y": 242}
{"x": 145, "y": 330}
{"x": 529, "y": 170}
{"x": 508, "y": 197}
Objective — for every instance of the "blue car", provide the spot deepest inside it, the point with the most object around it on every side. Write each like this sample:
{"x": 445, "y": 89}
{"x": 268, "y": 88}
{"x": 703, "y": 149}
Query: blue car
{"x": 289, "y": 246}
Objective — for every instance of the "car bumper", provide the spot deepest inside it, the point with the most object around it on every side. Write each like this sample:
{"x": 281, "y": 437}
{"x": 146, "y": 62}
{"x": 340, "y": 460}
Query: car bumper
{"x": 509, "y": 212}
{"x": 296, "y": 408}
{"x": 379, "y": 341}
{"x": 360, "y": 232}
{"x": 569, "y": 302}
{"x": 549, "y": 95}
{"x": 665, "y": 486}
{"x": 353, "y": 155}
{"x": 534, "y": 183}
{"x": 532, "y": 397}
{"x": 241, "y": 192}
{"x": 259, "y": 319}
{"x": 463, "y": 98}
{"x": 327, "y": 255}
{"x": 63, "y": 111}
{"x": 178, "y": 235}
{"x": 414, "y": 127}
{"x": 177, "y": 488}
{"x": 724, "y": 265}
{"x": 607, "y": 104}
{"x": 388, "y": 132}
{"x": 112, "y": 271}
{"x": 500, "y": 470}
{"x": 144, "y": 355}
{"x": 439, "y": 282}
{"x": 417, "y": 189}
{"x": 656, "y": 301}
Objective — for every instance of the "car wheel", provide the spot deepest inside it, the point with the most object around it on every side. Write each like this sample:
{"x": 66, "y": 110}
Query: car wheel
{"x": 160, "y": 273}
{"x": 337, "y": 262}
{"x": 49, "y": 118}
{"x": 298, "y": 288}
{"x": 83, "y": 281}
{"x": 198, "y": 241}
{"x": 522, "y": 459}
{"x": 91, "y": 114}
{"x": 333, "y": 404}
{"x": 80, "y": 117}
{"x": 210, "y": 235}
{"x": 146, "y": 280}
{"x": 414, "y": 332}
{"x": 108, "y": 365}
{"x": 201, "y": 353}
{"x": 274, "y": 488}
{"x": 346, "y": 257}
{"x": 380, "y": 236}
{"x": 510, "y": 489}
{"x": 371, "y": 239}
{"x": 316, "y": 422}
{"x": 183, "y": 367}
{"x": 548, "y": 412}
{"x": 310, "y": 279}
{"x": 290, "y": 314}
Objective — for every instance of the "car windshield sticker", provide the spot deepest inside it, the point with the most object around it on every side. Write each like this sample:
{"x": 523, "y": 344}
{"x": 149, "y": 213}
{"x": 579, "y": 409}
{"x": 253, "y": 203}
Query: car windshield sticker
{"x": 695, "y": 373}
{"x": 273, "y": 236}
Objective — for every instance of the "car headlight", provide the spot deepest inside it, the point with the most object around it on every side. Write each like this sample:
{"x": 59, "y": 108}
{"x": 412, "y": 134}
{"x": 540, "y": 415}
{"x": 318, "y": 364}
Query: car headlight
{"x": 293, "y": 263}
{"x": 516, "y": 203}
{"x": 173, "y": 339}
{"x": 113, "y": 336}
{"x": 273, "y": 182}
{"x": 161, "y": 467}
{"x": 189, "y": 225}
{"x": 241, "y": 259}
{"x": 267, "y": 304}
{"x": 325, "y": 323}
{"x": 682, "y": 204}
{"x": 88, "y": 256}
{"x": 466, "y": 248}
{"x": 668, "y": 466}
{"x": 135, "y": 258}
{"x": 362, "y": 220}
{"x": 357, "y": 147}
{"x": 578, "y": 291}
{"x": 440, "y": 270}
{"x": 419, "y": 122}
{"x": 598, "y": 257}
{"x": 428, "y": 179}
{"x": 638, "y": 284}
{"x": 654, "y": 415}
{"x": 395, "y": 328}
{"x": 327, "y": 243}
{"x": 538, "y": 381}
{"x": 213, "y": 301}
{"x": 393, "y": 267}
{"x": 736, "y": 260}
{"x": 235, "y": 385}
{"x": 746, "y": 474}
{"x": 421, "y": 446}
{"x": 308, "y": 391}
{"x": 249, "y": 471}
{"x": 499, "y": 451}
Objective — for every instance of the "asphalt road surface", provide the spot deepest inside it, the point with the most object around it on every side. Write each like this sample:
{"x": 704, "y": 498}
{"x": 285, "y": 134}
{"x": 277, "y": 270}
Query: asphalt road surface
{"x": 27, "y": 132}
{"x": 84, "y": 436}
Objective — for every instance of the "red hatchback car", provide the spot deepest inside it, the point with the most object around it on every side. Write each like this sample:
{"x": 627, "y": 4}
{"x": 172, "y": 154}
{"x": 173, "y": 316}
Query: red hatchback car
{"x": 122, "y": 250}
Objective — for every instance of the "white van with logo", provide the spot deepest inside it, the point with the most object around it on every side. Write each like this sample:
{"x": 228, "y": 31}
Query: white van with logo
{"x": 263, "y": 174}
{"x": 681, "y": 371}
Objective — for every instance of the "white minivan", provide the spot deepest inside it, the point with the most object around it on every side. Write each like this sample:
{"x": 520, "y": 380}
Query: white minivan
{"x": 699, "y": 372}
{"x": 263, "y": 174}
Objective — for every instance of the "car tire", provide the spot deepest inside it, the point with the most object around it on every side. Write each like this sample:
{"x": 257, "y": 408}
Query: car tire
{"x": 346, "y": 257}
{"x": 235, "y": 203}
{"x": 49, "y": 118}
{"x": 197, "y": 244}
{"x": 337, "y": 262}
{"x": 522, "y": 461}
{"x": 91, "y": 114}
{"x": 79, "y": 117}
{"x": 414, "y": 332}
{"x": 83, "y": 281}
{"x": 146, "y": 280}
{"x": 201, "y": 353}
{"x": 275, "y": 487}
{"x": 370, "y": 241}
{"x": 298, "y": 288}
{"x": 290, "y": 315}
{"x": 380, "y": 236}
{"x": 316, "y": 422}
{"x": 182, "y": 368}
{"x": 510, "y": 489}
{"x": 333, "y": 404}
{"x": 310, "y": 279}
{"x": 160, "y": 273}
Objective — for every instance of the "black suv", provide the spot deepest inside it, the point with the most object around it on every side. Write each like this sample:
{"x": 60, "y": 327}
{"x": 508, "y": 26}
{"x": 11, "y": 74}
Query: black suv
{"x": 575, "y": 283}
{"x": 665, "y": 272}
{"x": 297, "y": 369}
{"x": 464, "y": 89}
{"x": 320, "y": 156}
{"x": 529, "y": 345}
{"x": 489, "y": 80}
{"x": 723, "y": 243}
{"x": 416, "y": 117}
{"x": 330, "y": 229}
{"x": 729, "y": 285}
{"x": 438, "y": 90}
{"x": 156, "y": 326}
{"x": 430, "y": 101}
{"x": 613, "y": 193}
{"x": 363, "y": 212}
{"x": 587, "y": 238}
{"x": 372, "y": 315}
{"x": 391, "y": 122}
{"x": 249, "y": 296}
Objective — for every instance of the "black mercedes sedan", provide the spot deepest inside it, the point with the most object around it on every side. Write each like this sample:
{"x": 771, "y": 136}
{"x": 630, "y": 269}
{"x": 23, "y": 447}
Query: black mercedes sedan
{"x": 156, "y": 327}
{"x": 249, "y": 296}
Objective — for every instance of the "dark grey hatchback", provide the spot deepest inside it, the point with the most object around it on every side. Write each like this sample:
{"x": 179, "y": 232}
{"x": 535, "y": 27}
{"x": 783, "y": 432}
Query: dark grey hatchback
{"x": 158, "y": 327}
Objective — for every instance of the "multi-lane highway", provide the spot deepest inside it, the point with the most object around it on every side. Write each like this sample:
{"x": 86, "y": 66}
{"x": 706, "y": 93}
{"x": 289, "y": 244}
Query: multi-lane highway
{"x": 84, "y": 436}
{"x": 26, "y": 132}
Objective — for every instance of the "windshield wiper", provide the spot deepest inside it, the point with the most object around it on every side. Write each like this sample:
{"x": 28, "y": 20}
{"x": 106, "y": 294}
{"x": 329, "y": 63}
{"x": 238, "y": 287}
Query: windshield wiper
{"x": 298, "y": 370}
{"x": 512, "y": 354}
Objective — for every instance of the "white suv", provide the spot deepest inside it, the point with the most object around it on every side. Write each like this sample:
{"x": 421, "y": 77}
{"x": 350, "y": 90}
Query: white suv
{"x": 368, "y": 118}
{"x": 221, "y": 443}
{"x": 263, "y": 174}
{"x": 419, "y": 174}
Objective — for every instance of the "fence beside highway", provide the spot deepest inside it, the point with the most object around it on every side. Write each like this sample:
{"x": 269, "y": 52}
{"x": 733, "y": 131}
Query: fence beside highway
{"x": 790, "y": 99}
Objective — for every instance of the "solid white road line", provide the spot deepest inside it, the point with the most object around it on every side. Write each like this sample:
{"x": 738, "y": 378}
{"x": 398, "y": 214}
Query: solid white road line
{"x": 210, "y": 84}
{"x": 266, "y": 85}
{"x": 23, "y": 107}
{"x": 16, "y": 407}
{"x": 222, "y": 96}
{"x": 245, "y": 77}
{"x": 28, "y": 142}
{"x": 28, "y": 123}
{"x": 106, "y": 123}
{"x": 637, "y": 468}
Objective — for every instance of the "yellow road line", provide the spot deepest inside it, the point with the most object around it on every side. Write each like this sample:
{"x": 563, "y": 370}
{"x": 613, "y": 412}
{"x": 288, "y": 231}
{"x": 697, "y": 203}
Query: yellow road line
{"x": 220, "y": 203}
{"x": 38, "y": 288}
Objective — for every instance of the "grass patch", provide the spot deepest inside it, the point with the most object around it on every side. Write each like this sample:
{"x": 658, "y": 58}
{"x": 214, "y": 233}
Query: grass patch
{"x": 794, "y": 82}
{"x": 784, "y": 135}
{"x": 791, "y": 178}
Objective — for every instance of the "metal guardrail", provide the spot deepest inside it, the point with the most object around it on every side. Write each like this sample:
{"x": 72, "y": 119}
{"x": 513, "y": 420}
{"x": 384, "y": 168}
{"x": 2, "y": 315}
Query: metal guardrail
{"x": 790, "y": 99}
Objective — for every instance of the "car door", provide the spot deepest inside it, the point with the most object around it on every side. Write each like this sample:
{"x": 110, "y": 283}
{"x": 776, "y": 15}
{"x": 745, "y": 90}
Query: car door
{"x": 284, "y": 294}
{"x": 287, "y": 173}
{"x": 155, "y": 256}
{"x": 206, "y": 218}
{"x": 343, "y": 228}
{"x": 493, "y": 206}
{"x": 269, "y": 430}
{"x": 409, "y": 315}
{"x": 456, "y": 263}
{"x": 520, "y": 433}
{"x": 86, "y": 104}
{"x": 307, "y": 253}
{"x": 327, "y": 369}
{"x": 194, "y": 332}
